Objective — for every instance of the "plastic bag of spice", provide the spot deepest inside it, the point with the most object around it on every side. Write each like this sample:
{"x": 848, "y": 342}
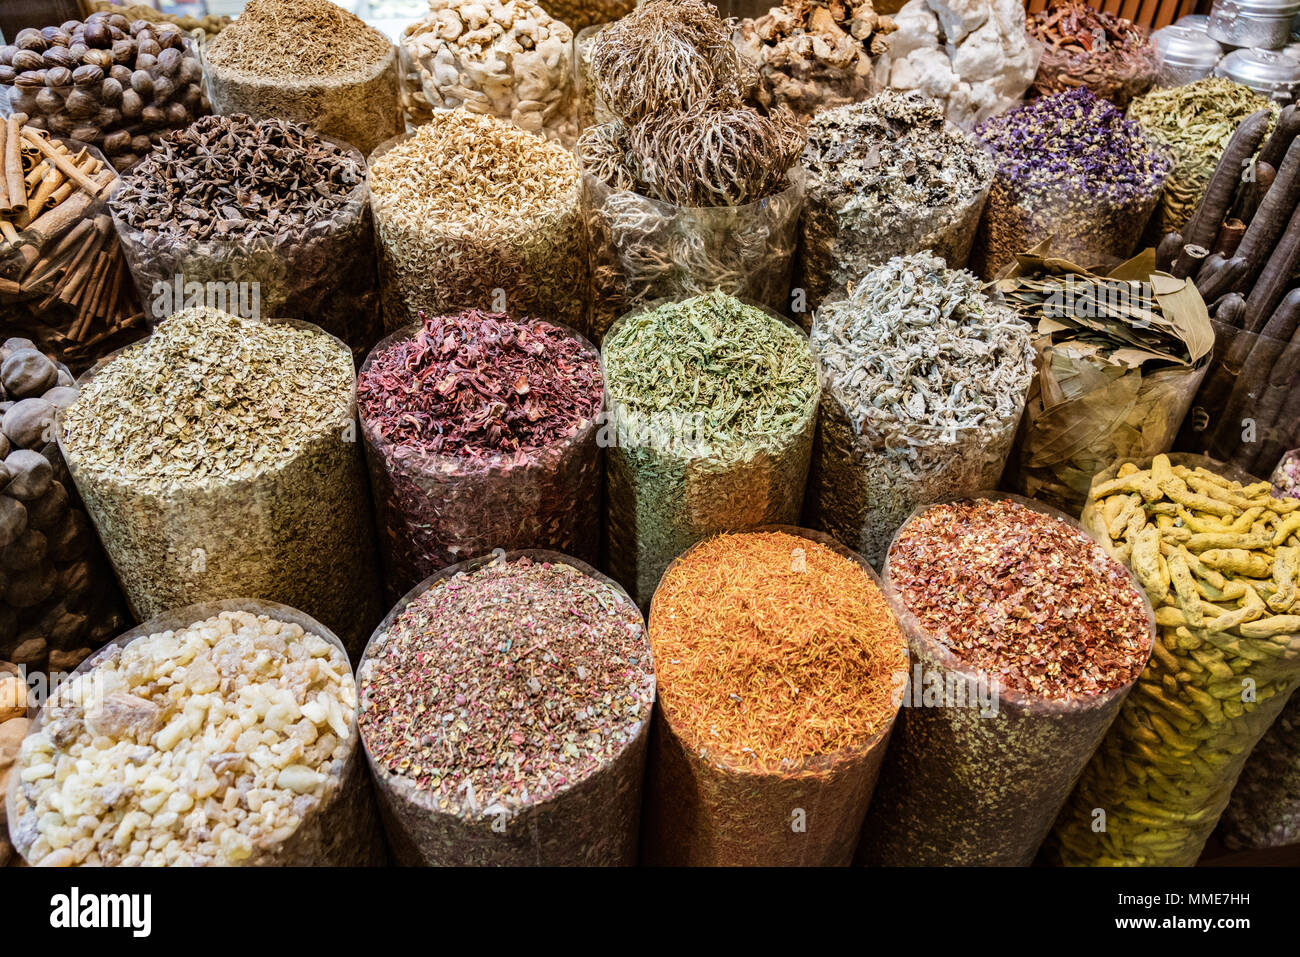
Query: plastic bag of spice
{"x": 643, "y": 249}
{"x": 63, "y": 281}
{"x": 309, "y": 62}
{"x": 311, "y": 255}
{"x": 1070, "y": 169}
{"x": 711, "y": 405}
{"x": 1224, "y": 578}
{"x": 59, "y": 599}
{"x": 220, "y": 456}
{"x": 760, "y": 755}
{"x": 508, "y": 235}
{"x": 1265, "y": 807}
{"x": 1005, "y": 703}
{"x": 325, "y": 809}
{"x": 1108, "y": 54}
{"x": 542, "y": 685}
{"x": 502, "y": 385}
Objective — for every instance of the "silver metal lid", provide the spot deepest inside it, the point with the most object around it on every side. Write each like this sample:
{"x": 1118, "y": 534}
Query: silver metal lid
{"x": 1270, "y": 9}
{"x": 1264, "y": 71}
{"x": 1186, "y": 46}
{"x": 1197, "y": 21}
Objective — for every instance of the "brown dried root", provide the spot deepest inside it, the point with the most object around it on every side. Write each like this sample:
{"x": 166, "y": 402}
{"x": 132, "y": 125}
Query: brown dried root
{"x": 665, "y": 56}
{"x": 602, "y": 151}
{"x": 715, "y": 156}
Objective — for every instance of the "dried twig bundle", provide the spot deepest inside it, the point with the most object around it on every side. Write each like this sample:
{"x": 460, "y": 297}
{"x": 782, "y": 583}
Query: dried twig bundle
{"x": 665, "y": 56}
{"x": 709, "y": 156}
{"x": 602, "y": 151}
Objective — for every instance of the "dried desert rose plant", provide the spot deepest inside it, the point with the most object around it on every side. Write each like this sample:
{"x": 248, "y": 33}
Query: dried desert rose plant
{"x": 469, "y": 205}
{"x": 813, "y": 55}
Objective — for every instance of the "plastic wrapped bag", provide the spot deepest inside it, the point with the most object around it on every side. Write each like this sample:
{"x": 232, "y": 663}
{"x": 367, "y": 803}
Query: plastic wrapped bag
{"x": 1110, "y": 74}
{"x": 591, "y": 819}
{"x": 1265, "y": 807}
{"x": 338, "y": 824}
{"x": 977, "y": 775}
{"x": 704, "y": 809}
{"x": 1223, "y": 665}
{"x": 297, "y": 528}
{"x": 433, "y": 510}
{"x": 327, "y": 276}
{"x": 1247, "y": 411}
{"x": 671, "y": 483}
{"x": 63, "y": 281}
{"x": 643, "y": 249}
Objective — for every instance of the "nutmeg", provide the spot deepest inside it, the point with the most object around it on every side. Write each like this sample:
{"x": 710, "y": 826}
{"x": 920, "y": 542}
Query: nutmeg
{"x": 32, "y": 80}
{"x": 132, "y": 104}
{"x": 119, "y": 22}
{"x": 49, "y": 100}
{"x": 31, "y": 39}
{"x": 117, "y": 142}
{"x": 153, "y": 116}
{"x": 97, "y": 35}
{"x": 25, "y": 60}
{"x": 125, "y": 161}
{"x": 140, "y": 143}
{"x": 177, "y": 114}
{"x": 142, "y": 83}
{"x": 69, "y": 26}
{"x": 56, "y": 36}
{"x": 146, "y": 62}
{"x": 60, "y": 123}
{"x": 86, "y": 133}
{"x": 163, "y": 88}
{"x": 108, "y": 118}
{"x": 37, "y": 122}
{"x": 88, "y": 75}
{"x": 78, "y": 49}
{"x": 169, "y": 61}
{"x": 123, "y": 51}
{"x": 81, "y": 104}
{"x": 60, "y": 56}
{"x": 191, "y": 70}
{"x": 170, "y": 36}
{"x": 7, "y": 54}
{"x": 110, "y": 92}
{"x": 7, "y": 75}
{"x": 120, "y": 73}
{"x": 58, "y": 77}
{"x": 100, "y": 58}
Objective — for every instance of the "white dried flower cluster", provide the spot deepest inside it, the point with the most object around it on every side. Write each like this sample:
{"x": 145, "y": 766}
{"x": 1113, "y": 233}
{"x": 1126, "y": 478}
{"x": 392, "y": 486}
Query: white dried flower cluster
{"x": 205, "y": 745}
{"x": 511, "y": 59}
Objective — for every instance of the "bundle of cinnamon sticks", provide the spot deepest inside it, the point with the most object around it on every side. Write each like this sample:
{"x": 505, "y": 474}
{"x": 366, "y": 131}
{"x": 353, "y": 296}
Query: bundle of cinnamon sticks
{"x": 58, "y": 248}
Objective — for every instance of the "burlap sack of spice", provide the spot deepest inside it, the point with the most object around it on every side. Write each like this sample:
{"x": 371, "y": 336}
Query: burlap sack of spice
{"x": 705, "y": 808}
{"x": 339, "y": 824}
{"x": 1107, "y": 387}
{"x": 961, "y": 787}
{"x": 592, "y": 819}
{"x": 1227, "y": 657}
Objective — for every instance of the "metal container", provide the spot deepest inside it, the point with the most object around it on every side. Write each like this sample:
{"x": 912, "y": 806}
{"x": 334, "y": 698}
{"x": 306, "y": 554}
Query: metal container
{"x": 1272, "y": 74}
{"x": 1197, "y": 21}
{"x": 1185, "y": 55}
{"x": 1253, "y": 23}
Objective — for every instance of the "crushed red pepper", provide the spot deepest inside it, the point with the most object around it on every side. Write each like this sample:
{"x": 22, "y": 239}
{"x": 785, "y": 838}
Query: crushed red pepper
{"x": 1023, "y": 596}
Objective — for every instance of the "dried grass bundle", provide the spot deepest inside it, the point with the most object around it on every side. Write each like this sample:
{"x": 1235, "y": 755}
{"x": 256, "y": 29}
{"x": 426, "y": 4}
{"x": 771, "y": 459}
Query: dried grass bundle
{"x": 666, "y": 56}
{"x": 710, "y": 156}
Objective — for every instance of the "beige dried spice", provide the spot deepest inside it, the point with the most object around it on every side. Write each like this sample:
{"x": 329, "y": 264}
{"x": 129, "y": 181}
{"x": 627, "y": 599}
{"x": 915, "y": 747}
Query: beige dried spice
{"x": 471, "y": 210}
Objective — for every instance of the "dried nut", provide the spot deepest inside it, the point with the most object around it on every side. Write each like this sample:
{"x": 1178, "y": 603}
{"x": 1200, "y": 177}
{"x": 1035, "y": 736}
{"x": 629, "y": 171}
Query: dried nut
{"x": 124, "y": 51}
{"x": 170, "y": 35}
{"x": 31, "y": 80}
{"x": 87, "y": 76}
{"x": 146, "y": 62}
{"x": 118, "y": 22}
{"x": 7, "y": 75}
{"x": 177, "y": 114}
{"x": 147, "y": 46}
{"x": 50, "y": 100}
{"x": 86, "y": 133}
{"x": 163, "y": 88}
{"x": 108, "y": 118}
{"x": 97, "y": 35}
{"x": 153, "y": 116}
{"x": 31, "y": 39}
{"x": 58, "y": 76}
{"x": 142, "y": 83}
{"x": 70, "y": 26}
{"x": 100, "y": 58}
{"x": 110, "y": 92}
{"x": 81, "y": 104}
{"x": 141, "y": 144}
{"x": 78, "y": 49}
{"x": 7, "y": 54}
{"x": 55, "y": 37}
{"x": 25, "y": 60}
{"x": 60, "y": 123}
{"x": 120, "y": 73}
{"x": 191, "y": 70}
{"x": 118, "y": 141}
{"x": 60, "y": 56}
{"x": 169, "y": 61}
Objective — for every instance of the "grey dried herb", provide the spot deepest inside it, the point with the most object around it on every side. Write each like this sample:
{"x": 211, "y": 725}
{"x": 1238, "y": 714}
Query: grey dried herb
{"x": 925, "y": 381}
{"x": 884, "y": 178}
{"x": 220, "y": 457}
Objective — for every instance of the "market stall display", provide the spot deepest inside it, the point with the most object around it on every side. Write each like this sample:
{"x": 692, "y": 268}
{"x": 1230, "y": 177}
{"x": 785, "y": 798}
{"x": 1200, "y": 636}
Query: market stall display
{"x": 231, "y": 208}
{"x": 711, "y": 405}
{"x": 481, "y": 433}
{"x": 1025, "y": 640}
{"x": 1085, "y": 47}
{"x": 1185, "y": 55}
{"x": 215, "y": 735}
{"x": 506, "y": 58}
{"x": 1073, "y": 171}
{"x": 309, "y": 62}
{"x": 925, "y": 381}
{"x": 687, "y": 189}
{"x": 1264, "y": 810}
{"x": 1120, "y": 357}
{"x": 886, "y": 178}
{"x": 109, "y": 82}
{"x": 59, "y": 600}
{"x": 551, "y": 778}
{"x": 220, "y": 457}
{"x": 811, "y": 55}
{"x": 63, "y": 279}
{"x": 468, "y": 205}
{"x": 779, "y": 661}
{"x": 1223, "y": 581}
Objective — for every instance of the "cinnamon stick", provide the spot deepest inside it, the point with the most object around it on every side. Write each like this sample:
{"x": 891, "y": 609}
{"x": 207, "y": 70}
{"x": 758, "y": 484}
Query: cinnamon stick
{"x": 4, "y": 183}
{"x": 60, "y": 160}
{"x": 14, "y": 165}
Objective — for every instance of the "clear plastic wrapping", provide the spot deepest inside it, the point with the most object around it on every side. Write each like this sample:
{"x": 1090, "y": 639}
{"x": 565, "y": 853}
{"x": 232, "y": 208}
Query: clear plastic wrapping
{"x": 1088, "y": 227}
{"x": 964, "y": 787}
{"x": 837, "y": 243}
{"x": 701, "y": 810}
{"x": 674, "y": 488}
{"x": 363, "y": 111}
{"x": 299, "y": 532}
{"x": 341, "y": 830}
{"x": 433, "y": 510}
{"x": 1164, "y": 773}
{"x": 64, "y": 283}
{"x": 1265, "y": 807}
{"x": 590, "y": 109}
{"x": 539, "y": 265}
{"x": 326, "y": 274}
{"x": 1247, "y": 412}
{"x": 415, "y": 106}
{"x": 594, "y": 821}
{"x": 644, "y": 249}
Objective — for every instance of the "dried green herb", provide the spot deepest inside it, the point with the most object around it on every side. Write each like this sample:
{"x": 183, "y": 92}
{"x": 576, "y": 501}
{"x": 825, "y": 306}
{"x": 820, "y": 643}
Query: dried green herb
{"x": 220, "y": 457}
{"x": 712, "y": 404}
